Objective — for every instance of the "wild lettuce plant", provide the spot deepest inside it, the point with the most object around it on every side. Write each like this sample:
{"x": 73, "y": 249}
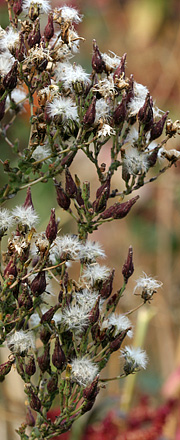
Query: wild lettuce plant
{"x": 59, "y": 350}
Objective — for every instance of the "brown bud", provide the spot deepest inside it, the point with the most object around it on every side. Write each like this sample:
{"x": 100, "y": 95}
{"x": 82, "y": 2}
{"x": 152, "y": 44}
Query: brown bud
{"x": 119, "y": 210}
{"x": 44, "y": 360}
{"x": 10, "y": 80}
{"x": 67, "y": 160}
{"x": 145, "y": 114}
{"x": 62, "y": 199}
{"x": 29, "y": 418}
{"x": 51, "y": 230}
{"x": 88, "y": 405}
{"x": 35, "y": 35}
{"x": 90, "y": 114}
{"x": 5, "y": 368}
{"x": 105, "y": 185}
{"x": 49, "y": 28}
{"x": 44, "y": 335}
{"x": 20, "y": 49}
{"x": 100, "y": 203}
{"x": 98, "y": 64}
{"x": 52, "y": 384}
{"x": 107, "y": 285}
{"x": 152, "y": 157}
{"x": 92, "y": 390}
{"x": 157, "y": 127}
{"x": 94, "y": 313}
{"x": 58, "y": 356}
{"x": 128, "y": 267}
{"x": 35, "y": 402}
{"x": 2, "y": 108}
{"x": 47, "y": 316}
{"x": 17, "y": 7}
{"x": 24, "y": 298}
{"x": 119, "y": 114}
{"x": 28, "y": 200}
{"x": 116, "y": 343}
{"x": 20, "y": 366}
{"x": 10, "y": 270}
{"x": 30, "y": 367}
{"x": 120, "y": 71}
{"x": 38, "y": 285}
{"x": 70, "y": 186}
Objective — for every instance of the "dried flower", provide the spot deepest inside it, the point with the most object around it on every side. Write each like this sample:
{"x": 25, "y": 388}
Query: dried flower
{"x": 94, "y": 272}
{"x": 25, "y": 216}
{"x": 148, "y": 286}
{"x": 20, "y": 341}
{"x": 135, "y": 359}
{"x": 83, "y": 371}
{"x": 64, "y": 107}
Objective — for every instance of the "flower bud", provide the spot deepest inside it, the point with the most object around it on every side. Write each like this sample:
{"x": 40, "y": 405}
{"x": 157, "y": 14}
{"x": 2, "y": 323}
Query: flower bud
{"x": 116, "y": 343}
{"x": 67, "y": 160}
{"x": 145, "y": 114}
{"x": 5, "y": 368}
{"x": 157, "y": 127}
{"x": 51, "y": 230}
{"x": 119, "y": 114}
{"x": 62, "y": 199}
{"x": 28, "y": 200}
{"x": 94, "y": 313}
{"x": 92, "y": 390}
{"x": 70, "y": 186}
{"x": 20, "y": 49}
{"x": 119, "y": 210}
{"x": 152, "y": 157}
{"x": 107, "y": 286}
{"x": 128, "y": 267}
{"x": 105, "y": 185}
{"x": 58, "y": 356}
{"x": 88, "y": 405}
{"x": 100, "y": 203}
{"x": 2, "y": 108}
{"x": 17, "y": 7}
{"x": 35, "y": 35}
{"x": 20, "y": 366}
{"x": 24, "y": 298}
{"x": 38, "y": 285}
{"x": 35, "y": 402}
{"x": 10, "y": 270}
{"x": 29, "y": 418}
{"x": 52, "y": 384}
{"x": 120, "y": 71}
{"x": 44, "y": 335}
{"x": 90, "y": 114}
{"x": 98, "y": 64}
{"x": 44, "y": 360}
{"x": 49, "y": 28}
{"x": 10, "y": 80}
{"x": 47, "y": 316}
{"x": 30, "y": 367}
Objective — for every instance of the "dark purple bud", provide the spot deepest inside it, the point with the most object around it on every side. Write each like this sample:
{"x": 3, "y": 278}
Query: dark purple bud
{"x": 38, "y": 285}
{"x": 88, "y": 405}
{"x": 24, "y": 299}
{"x": 130, "y": 93}
{"x": 21, "y": 50}
{"x": 119, "y": 115}
{"x": 70, "y": 186}
{"x": 30, "y": 420}
{"x": 145, "y": 114}
{"x": 5, "y": 368}
{"x": 113, "y": 300}
{"x": 105, "y": 185}
{"x": 67, "y": 160}
{"x": 49, "y": 28}
{"x": 100, "y": 203}
{"x": 98, "y": 64}
{"x": 79, "y": 198}
{"x": 58, "y": 356}
{"x": 94, "y": 313}
{"x": 119, "y": 210}
{"x": 35, "y": 402}
{"x": 28, "y": 200}
{"x": 44, "y": 335}
{"x": 17, "y": 7}
{"x": 90, "y": 114}
{"x": 62, "y": 199}
{"x": 10, "y": 80}
{"x": 10, "y": 269}
{"x": 92, "y": 390}
{"x": 47, "y": 316}
{"x": 20, "y": 366}
{"x": 52, "y": 384}
{"x": 107, "y": 286}
{"x": 157, "y": 127}
{"x": 30, "y": 367}
{"x": 35, "y": 35}
{"x": 2, "y": 108}
{"x": 51, "y": 230}
{"x": 152, "y": 157}
{"x": 116, "y": 343}
{"x": 128, "y": 267}
{"x": 120, "y": 69}
{"x": 44, "y": 360}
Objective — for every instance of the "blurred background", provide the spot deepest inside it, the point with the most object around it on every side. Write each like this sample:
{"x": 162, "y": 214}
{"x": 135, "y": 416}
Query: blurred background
{"x": 149, "y": 32}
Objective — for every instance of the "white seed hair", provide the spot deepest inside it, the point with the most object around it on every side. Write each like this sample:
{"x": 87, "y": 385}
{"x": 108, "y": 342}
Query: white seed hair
{"x": 91, "y": 250}
{"x": 120, "y": 322}
{"x": 95, "y": 272}
{"x": 21, "y": 341}
{"x": 64, "y": 107}
{"x": 65, "y": 247}
{"x": 134, "y": 161}
{"x": 83, "y": 371}
{"x": 75, "y": 317}
{"x": 44, "y": 5}
{"x": 136, "y": 356}
{"x": 70, "y": 15}
{"x": 6, "y": 219}
{"x": 148, "y": 284}
{"x": 25, "y": 216}
{"x": 41, "y": 152}
{"x": 9, "y": 39}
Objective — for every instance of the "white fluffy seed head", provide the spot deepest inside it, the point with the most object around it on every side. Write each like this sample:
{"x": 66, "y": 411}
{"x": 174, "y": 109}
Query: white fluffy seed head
{"x": 119, "y": 322}
{"x": 6, "y": 62}
{"x": 83, "y": 371}
{"x": 147, "y": 285}
{"x": 135, "y": 162}
{"x": 66, "y": 247}
{"x": 20, "y": 341}
{"x": 41, "y": 152}
{"x": 64, "y": 107}
{"x": 140, "y": 93}
{"x": 75, "y": 317}
{"x": 44, "y": 5}
{"x": 9, "y": 39}
{"x": 70, "y": 15}
{"x": 135, "y": 357}
{"x": 25, "y": 216}
{"x": 94, "y": 272}
{"x": 6, "y": 219}
{"x": 90, "y": 251}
